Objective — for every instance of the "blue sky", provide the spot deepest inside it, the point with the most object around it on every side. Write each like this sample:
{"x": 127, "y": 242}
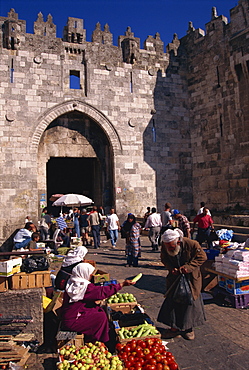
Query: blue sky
{"x": 145, "y": 17}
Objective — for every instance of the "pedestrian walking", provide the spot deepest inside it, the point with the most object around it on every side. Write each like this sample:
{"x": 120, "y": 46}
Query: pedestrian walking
{"x": 166, "y": 219}
{"x": 183, "y": 223}
{"x": 182, "y": 257}
{"x": 113, "y": 227}
{"x": 154, "y": 225}
{"x": 94, "y": 220}
{"x": 205, "y": 225}
{"x": 133, "y": 246}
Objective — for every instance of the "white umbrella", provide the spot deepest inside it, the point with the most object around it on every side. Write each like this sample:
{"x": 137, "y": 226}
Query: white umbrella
{"x": 70, "y": 200}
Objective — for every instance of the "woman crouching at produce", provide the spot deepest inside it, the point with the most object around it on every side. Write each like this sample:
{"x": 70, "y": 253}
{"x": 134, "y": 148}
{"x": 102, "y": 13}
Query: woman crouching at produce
{"x": 80, "y": 313}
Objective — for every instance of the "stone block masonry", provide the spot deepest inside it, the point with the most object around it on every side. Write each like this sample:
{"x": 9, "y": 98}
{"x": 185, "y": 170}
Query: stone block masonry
{"x": 174, "y": 115}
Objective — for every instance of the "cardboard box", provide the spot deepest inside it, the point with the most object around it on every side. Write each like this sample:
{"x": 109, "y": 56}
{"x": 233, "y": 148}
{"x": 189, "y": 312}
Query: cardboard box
{"x": 241, "y": 287}
{"x": 37, "y": 279}
{"x": 100, "y": 276}
{"x": 10, "y": 267}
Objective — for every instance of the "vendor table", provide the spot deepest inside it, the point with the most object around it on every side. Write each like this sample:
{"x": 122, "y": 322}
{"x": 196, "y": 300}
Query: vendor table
{"x": 237, "y": 300}
{"x": 237, "y": 280}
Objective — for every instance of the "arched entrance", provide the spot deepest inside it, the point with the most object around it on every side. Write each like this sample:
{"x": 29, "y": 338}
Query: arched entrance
{"x": 75, "y": 154}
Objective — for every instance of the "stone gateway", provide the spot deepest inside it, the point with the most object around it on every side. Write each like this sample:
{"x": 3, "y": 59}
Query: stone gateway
{"x": 126, "y": 126}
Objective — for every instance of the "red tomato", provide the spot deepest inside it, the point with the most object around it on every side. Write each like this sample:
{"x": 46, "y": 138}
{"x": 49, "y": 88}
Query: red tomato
{"x": 131, "y": 359}
{"x": 152, "y": 367}
{"x": 153, "y": 351}
{"x": 118, "y": 346}
{"x": 123, "y": 355}
{"x": 143, "y": 344}
{"x": 127, "y": 364}
{"x": 158, "y": 358}
{"x": 159, "y": 366}
{"x": 127, "y": 348}
{"x": 139, "y": 349}
{"x": 170, "y": 359}
{"x": 166, "y": 367}
{"x": 173, "y": 366}
{"x": 164, "y": 361}
{"x": 148, "y": 357}
{"x": 138, "y": 364}
{"x": 161, "y": 349}
{"x": 152, "y": 361}
{"x": 169, "y": 353}
{"x": 146, "y": 351}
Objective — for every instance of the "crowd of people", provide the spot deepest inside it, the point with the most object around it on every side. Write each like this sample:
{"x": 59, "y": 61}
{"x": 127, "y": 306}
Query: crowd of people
{"x": 181, "y": 256}
{"x": 158, "y": 223}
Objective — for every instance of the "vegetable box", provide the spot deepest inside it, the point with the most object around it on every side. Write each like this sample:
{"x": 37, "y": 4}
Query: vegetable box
{"x": 136, "y": 329}
{"x": 10, "y": 267}
{"x": 100, "y": 276}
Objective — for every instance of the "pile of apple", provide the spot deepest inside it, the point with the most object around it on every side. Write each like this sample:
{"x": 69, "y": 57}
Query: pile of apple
{"x": 147, "y": 354}
{"x": 88, "y": 357}
{"x": 121, "y": 298}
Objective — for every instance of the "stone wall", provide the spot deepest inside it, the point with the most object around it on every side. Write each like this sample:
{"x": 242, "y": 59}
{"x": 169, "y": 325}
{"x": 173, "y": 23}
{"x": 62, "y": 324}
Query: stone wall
{"x": 24, "y": 304}
{"x": 174, "y": 124}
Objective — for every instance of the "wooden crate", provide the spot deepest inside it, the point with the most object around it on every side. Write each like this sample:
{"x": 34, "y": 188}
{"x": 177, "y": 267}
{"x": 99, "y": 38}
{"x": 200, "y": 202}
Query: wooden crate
{"x": 123, "y": 307}
{"x": 92, "y": 262}
{"x": 3, "y": 284}
{"x": 37, "y": 279}
{"x": 120, "y": 340}
{"x": 9, "y": 351}
{"x": 69, "y": 338}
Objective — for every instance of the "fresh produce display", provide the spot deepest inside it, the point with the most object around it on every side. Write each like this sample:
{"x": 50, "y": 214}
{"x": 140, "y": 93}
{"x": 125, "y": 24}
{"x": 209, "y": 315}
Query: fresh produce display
{"x": 136, "y": 278}
{"x": 121, "y": 298}
{"x": 148, "y": 354}
{"x": 88, "y": 357}
{"x": 143, "y": 330}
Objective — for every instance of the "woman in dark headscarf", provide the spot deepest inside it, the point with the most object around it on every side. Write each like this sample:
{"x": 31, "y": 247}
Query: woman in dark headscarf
{"x": 133, "y": 247}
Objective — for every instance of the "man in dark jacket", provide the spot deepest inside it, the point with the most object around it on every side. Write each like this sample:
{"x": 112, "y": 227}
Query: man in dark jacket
{"x": 182, "y": 256}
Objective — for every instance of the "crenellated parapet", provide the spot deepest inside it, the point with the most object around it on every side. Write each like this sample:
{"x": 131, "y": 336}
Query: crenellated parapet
{"x": 47, "y": 28}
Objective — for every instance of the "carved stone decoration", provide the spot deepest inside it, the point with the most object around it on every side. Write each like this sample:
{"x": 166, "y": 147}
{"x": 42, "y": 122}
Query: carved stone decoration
{"x": 10, "y": 116}
{"x": 38, "y": 59}
{"x": 108, "y": 66}
{"x": 131, "y": 123}
{"x": 152, "y": 71}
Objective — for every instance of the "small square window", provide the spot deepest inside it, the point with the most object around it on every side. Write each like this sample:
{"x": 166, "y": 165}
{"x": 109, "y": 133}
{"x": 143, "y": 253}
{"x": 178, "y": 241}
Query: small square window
{"x": 75, "y": 80}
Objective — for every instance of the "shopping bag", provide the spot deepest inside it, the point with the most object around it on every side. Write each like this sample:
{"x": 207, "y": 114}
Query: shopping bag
{"x": 182, "y": 293}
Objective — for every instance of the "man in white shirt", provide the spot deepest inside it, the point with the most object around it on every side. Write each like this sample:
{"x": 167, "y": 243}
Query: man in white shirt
{"x": 23, "y": 236}
{"x": 202, "y": 204}
{"x": 154, "y": 223}
{"x": 113, "y": 227}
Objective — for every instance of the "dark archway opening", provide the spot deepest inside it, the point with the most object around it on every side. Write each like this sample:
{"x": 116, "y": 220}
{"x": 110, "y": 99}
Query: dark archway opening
{"x": 73, "y": 175}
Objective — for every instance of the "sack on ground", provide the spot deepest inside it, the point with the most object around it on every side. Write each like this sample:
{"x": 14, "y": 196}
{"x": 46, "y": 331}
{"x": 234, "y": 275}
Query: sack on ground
{"x": 183, "y": 294}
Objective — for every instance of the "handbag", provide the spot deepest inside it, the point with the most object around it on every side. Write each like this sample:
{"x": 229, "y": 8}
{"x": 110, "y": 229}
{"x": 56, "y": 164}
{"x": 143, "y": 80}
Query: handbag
{"x": 182, "y": 293}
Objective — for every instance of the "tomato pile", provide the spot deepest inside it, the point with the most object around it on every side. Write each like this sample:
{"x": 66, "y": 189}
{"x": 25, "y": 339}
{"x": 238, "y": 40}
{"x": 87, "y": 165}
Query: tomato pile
{"x": 148, "y": 354}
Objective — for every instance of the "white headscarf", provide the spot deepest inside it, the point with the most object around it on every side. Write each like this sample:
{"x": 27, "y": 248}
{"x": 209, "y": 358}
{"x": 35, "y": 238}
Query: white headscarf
{"x": 74, "y": 255}
{"x": 77, "y": 284}
{"x": 170, "y": 235}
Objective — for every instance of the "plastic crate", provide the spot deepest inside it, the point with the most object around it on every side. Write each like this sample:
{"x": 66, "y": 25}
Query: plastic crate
{"x": 239, "y": 300}
{"x": 211, "y": 253}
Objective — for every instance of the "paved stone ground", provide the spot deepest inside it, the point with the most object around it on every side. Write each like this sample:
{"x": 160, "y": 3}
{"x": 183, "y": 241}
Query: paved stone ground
{"x": 221, "y": 344}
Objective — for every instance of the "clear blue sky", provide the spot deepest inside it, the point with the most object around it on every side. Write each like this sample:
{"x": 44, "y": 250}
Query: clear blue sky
{"x": 145, "y": 17}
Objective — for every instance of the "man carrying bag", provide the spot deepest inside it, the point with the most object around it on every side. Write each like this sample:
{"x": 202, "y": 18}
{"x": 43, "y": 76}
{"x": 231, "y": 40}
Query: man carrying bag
{"x": 182, "y": 308}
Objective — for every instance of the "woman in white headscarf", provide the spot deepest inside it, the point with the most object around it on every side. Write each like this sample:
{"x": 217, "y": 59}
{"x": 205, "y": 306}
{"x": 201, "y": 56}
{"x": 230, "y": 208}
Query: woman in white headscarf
{"x": 80, "y": 313}
{"x": 72, "y": 259}
{"x": 182, "y": 255}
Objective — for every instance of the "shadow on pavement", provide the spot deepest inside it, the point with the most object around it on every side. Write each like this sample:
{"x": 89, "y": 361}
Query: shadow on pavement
{"x": 151, "y": 283}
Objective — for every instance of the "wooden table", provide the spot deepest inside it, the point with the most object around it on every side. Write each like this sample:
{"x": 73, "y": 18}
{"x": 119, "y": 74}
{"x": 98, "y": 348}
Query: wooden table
{"x": 227, "y": 276}
{"x": 22, "y": 253}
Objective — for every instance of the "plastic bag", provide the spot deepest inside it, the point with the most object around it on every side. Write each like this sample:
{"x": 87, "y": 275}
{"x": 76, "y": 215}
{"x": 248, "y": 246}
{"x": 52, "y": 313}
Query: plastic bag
{"x": 35, "y": 263}
{"x": 183, "y": 294}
